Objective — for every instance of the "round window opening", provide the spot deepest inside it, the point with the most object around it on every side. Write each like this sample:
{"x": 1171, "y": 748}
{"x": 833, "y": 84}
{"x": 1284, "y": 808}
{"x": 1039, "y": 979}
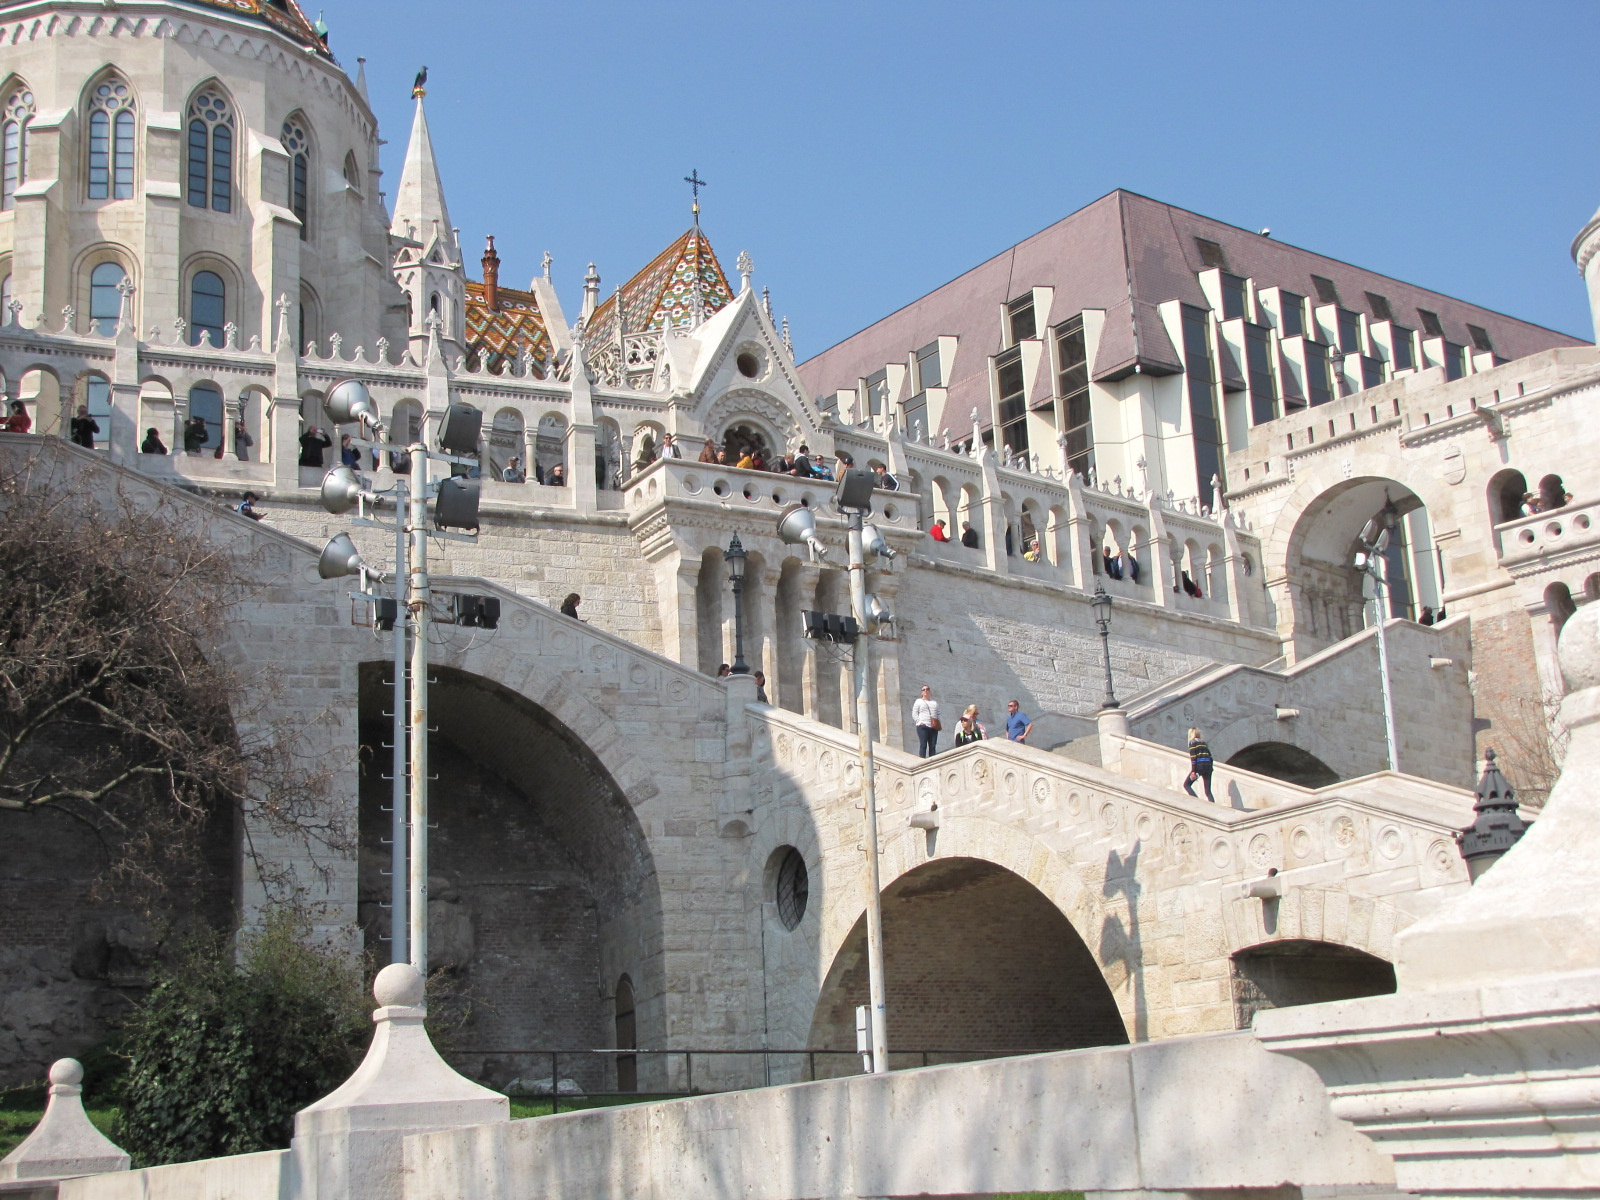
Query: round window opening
{"x": 749, "y": 365}
{"x": 794, "y": 885}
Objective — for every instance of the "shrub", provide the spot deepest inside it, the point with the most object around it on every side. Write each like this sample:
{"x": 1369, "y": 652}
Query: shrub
{"x": 226, "y": 1049}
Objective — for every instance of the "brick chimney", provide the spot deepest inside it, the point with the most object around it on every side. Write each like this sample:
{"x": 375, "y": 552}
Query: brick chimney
{"x": 491, "y": 277}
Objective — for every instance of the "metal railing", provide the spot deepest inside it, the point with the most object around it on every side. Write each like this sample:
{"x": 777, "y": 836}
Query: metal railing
{"x": 606, "y": 1073}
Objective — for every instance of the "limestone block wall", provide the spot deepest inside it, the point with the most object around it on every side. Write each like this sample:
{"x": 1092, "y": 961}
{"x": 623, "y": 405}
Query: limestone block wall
{"x": 1147, "y": 877}
{"x": 1337, "y": 693}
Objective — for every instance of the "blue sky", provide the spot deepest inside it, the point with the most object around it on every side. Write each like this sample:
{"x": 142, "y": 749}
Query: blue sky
{"x": 864, "y": 153}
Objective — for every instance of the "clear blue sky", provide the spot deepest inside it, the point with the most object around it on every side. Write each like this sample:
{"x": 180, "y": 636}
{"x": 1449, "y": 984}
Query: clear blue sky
{"x": 865, "y": 153}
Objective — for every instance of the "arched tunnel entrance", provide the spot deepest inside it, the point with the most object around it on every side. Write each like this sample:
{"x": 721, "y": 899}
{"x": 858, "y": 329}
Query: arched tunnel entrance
{"x": 977, "y": 961}
{"x": 1287, "y": 762}
{"x": 542, "y": 888}
{"x": 1297, "y": 971}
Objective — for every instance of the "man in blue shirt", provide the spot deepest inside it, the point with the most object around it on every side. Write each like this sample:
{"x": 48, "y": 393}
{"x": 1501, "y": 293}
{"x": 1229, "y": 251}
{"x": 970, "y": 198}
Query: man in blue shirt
{"x": 1018, "y": 724}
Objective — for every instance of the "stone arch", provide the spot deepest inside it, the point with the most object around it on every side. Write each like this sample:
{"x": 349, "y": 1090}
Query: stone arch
{"x": 1313, "y": 543}
{"x": 1559, "y": 604}
{"x": 977, "y": 959}
{"x": 942, "y": 502}
{"x": 39, "y": 388}
{"x": 505, "y": 442}
{"x": 1056, "y": 544}
{"x": 544, "y": 877}
{"x": 551, "y": 446}
{"x": 83, "y": 268}
{"x": 1285, "y": 761}
{"x": 710, "y": 585}
{"x": 1294, "y": 971}
{"x": 757, "y": 408}
{"x": 609, "y": 459}
{"x": 746, "y": 436}
{"x": 1506, "y": 491}
{"x": 1552, "y": 493}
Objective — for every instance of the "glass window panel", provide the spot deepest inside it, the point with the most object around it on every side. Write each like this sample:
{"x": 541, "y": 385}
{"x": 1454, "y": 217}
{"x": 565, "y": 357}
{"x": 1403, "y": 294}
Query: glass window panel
{"x": 1022, "y": 319}
{"x": 99, "y": 154}
{"x": 207, "y": 308}
{"x": 199, "y": 144}
{"x": 105, "y": 301}
{"x": 1403, "y": 355}
{"x": 1258, "y": 364}
{"x": 1294, "y": 314}
{"x": 929, "y": 372}
{"x": 298, "y": 198}
{"x": 1233, "y": 297}
{"x": 97, "y": 398}
{"x": 1349, "y": 331}
{"x": 222, "y": 169}
{"x": 122, "y": 178}
{"x": 13, "y": 165}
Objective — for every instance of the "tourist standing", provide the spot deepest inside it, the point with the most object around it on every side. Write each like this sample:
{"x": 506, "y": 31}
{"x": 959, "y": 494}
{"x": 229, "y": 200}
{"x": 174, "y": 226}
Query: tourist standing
{"x": 152, "y": 443}
{"x": 967, "y": 729}
{"x": 84, "y": 427}
{"x": 569, "y": 606}
{"x": 312, "y": 443}
{"x": 19, "y": 421}
{"x": 1018, "y": 723}
{"x": 925, "y": 716}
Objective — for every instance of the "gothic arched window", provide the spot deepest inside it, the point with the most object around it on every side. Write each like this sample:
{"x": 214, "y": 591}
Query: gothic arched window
{"x": 298, "y": 145}
{"x": 110, "y": 140}
{"x": 211, "y": 152}
{"x": 15, "y": 115}
{"x": 105, "y": 297}
{"x": 208, "y": 305}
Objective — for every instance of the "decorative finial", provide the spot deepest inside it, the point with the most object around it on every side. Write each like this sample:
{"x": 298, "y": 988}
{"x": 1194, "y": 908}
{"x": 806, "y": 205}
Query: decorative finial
{"x": 419, "y": 86}
{"x": 546, "y": 264}
{"x": 696, "y": 183}
{"x": 788, "y": 344}
{"x": 746, "y": 266}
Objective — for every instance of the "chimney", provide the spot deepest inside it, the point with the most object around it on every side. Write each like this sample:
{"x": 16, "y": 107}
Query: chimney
{"x": 491, "y": 277}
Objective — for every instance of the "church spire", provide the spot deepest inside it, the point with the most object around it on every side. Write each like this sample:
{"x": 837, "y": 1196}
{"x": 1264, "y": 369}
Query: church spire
{"x": 419, "y": 206}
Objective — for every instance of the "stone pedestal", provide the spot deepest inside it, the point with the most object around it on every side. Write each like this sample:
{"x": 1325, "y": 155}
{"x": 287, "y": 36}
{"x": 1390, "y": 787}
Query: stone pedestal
{"x": 348, "y": 1144}
{"x": 1481, "y": 1075}
{"x": 65, "y": 1142}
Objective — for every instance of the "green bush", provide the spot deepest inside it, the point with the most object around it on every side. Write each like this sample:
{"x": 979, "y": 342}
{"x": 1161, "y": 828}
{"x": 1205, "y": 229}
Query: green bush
{"x": 225, "y": 1050}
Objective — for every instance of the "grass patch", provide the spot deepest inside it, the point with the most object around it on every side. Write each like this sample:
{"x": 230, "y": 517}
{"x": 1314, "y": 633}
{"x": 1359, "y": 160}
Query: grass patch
{"x": 523, "y": 1108}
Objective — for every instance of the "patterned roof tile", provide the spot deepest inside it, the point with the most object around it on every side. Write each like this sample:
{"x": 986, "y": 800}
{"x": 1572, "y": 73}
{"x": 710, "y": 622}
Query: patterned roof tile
{"x": 661, "y": 296}
{"x": 286, "y": 16}
{"x": 498, "y": 337}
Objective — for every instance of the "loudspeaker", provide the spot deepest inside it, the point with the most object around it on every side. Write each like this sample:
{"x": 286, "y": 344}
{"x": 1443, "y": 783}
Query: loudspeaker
{"x": 855, "y": 489}
{"x": 384, "y": 613}
{"x": 478, "y": 612}
{"x": 456, "y": 506}
{"x": 458, "y": 432}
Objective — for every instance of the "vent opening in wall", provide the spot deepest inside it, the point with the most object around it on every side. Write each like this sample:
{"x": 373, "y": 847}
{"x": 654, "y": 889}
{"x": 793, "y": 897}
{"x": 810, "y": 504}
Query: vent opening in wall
{"x": 792, "y": 887}
{"x": 749, "y": 365}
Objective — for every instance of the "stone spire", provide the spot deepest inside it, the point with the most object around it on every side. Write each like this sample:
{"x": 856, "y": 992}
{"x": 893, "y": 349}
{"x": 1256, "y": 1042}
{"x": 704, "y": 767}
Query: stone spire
{"x": 591, "y": 294}
{"x": 361, "y": 79}
{"x": 419, "y": 205}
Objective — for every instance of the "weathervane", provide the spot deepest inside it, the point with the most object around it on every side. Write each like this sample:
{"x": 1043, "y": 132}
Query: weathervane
{"x": 419, "y": 86}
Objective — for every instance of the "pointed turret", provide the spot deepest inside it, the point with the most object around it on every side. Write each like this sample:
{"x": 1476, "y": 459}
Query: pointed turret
{"x": 361, "y": 80}
{"x": 419, "y": 205}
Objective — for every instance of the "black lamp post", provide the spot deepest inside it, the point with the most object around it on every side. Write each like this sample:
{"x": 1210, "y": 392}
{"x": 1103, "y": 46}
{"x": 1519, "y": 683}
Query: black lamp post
{"x": 1102, "y": 618}
{"x": 1497, "y": 826}
{"x": 735, "y": 556}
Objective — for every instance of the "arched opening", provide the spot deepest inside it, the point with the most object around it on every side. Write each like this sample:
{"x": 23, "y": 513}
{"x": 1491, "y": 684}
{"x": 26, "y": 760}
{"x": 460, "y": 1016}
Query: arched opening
{"x": 1552, "y": 493}
{"x": 1559, "y": 604}
{"x": 1288, "y": 973}
{"x": 710, "y": 585}
{"x": 627, "y": 1037}
{"x": 745, "y": 441}
{"x": 977, "y": 961}
{"x": 506, "y": 442}
{"x": 1332, "y": 598}
{"x": 205, "y": 418}
{"x": 1280, "y": 760}
{"x": 1508, "y": 490}
{"x": 541, "y": 880}
{"x": 550, "y": 450}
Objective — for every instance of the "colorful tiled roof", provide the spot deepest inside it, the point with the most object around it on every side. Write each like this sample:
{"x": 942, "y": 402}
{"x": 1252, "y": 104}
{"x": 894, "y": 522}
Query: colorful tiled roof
{"x": 662, "y": 295}
{"x": 497, "y": 337}
{"x": 286, "y": 16}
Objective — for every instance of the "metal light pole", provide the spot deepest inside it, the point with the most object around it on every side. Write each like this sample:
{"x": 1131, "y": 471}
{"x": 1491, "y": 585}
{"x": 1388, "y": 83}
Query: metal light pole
{"x": 869, "y": 795}
{"x": 1375, "y": 540}
{"x": 417, "y": 601}
{"x": 399, "y": 827}
{"x": 1102, "y": 617}
{"x": 735, "y": 557}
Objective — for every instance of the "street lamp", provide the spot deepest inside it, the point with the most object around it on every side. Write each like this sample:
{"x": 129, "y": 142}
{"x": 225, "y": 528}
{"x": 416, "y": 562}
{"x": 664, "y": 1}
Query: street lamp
{"x": 1374, "y": 538}
{"x": 797, "y": 527}
{"x": 1102, "y": 617}
{"x": 1497, "y": 826}
{"x": 735, "y": 557}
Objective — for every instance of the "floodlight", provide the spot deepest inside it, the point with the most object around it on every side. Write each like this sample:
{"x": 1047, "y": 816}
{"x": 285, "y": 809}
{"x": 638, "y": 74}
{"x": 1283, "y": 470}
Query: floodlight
{"x": 874, "y": 544}
{"x": 458, "y": 432}
{"x": 878, "y": 614}
{"x": 341, "y": 489}
{"x": 339, "y": 558}
{"x": 798, "y": 527}
{"x": 349, "y": 400}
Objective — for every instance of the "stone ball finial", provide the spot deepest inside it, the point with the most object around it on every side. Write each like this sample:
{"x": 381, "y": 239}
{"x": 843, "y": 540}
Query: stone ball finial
{"x": 66, "y": 1070}
{"x": 1579, "y": 649}
{"x": 399, "y": 984}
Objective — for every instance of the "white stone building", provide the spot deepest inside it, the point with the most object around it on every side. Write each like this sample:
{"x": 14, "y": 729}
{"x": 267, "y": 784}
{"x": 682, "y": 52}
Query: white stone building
{"x": 192, "y": 226}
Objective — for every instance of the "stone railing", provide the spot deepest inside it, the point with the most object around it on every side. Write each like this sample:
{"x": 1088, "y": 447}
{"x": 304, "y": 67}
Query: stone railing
{"x": 1546, "y": 535}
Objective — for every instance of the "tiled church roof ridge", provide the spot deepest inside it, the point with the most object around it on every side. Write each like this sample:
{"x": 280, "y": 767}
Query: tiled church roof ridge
{"x": 498, "y": 336}
{"x": 660, "y": 294}
{"x": 286, "y": 16}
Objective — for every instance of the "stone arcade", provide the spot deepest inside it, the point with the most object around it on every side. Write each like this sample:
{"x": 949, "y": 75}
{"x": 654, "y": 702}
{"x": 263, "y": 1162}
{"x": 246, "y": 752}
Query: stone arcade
{"x": 194, "y": 228}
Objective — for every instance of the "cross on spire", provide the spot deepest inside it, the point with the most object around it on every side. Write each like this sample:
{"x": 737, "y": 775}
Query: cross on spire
{"x": 694, "y": 181}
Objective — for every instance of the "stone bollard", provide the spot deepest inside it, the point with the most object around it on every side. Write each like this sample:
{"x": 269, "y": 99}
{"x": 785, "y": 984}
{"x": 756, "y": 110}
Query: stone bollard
{"x": 65, "y": 1142}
